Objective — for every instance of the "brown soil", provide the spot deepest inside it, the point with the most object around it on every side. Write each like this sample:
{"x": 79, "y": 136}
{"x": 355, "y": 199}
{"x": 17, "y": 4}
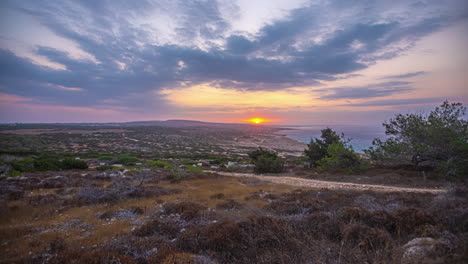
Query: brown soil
{"x": 300, "y": 182}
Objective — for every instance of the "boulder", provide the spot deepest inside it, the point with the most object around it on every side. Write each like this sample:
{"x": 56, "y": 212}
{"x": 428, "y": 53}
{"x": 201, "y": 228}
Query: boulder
{"x": 426, "y": 250}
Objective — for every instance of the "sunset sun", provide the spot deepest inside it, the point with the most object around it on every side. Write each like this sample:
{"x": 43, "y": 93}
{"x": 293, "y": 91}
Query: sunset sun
{"x": 256, "y": 120}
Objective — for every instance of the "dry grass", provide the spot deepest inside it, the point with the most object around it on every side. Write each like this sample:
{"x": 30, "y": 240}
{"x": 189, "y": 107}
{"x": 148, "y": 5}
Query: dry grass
{"x": 224, "y": 220}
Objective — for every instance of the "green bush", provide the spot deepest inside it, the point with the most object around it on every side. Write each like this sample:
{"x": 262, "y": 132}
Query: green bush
{"x": 266, "y": 161}
{"x": 26, "y": 164}
{"x": 193, "y": 169}
{"x": 176, "y": 174}
{"x": 14, "y": 173}
{"x": 105, "y": 157}
{"x": 70, "y": 163}
{"x": 104, "y": 167}
{"x": 341, "y": 157}
{"x": 47, "y": 164}
{"x": 189, "y": 162}
{"x": 127, "y": 160}
{"x": 218, "y": 160}
{"x": 154, "y": 164}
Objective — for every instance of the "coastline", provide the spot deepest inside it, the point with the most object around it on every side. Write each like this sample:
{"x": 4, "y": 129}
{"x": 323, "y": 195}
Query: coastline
{"x": 361, "y": 137}
{"x": 269, "y": 139}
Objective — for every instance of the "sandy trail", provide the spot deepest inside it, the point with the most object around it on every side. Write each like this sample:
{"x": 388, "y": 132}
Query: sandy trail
{"x": 293, "y": 181}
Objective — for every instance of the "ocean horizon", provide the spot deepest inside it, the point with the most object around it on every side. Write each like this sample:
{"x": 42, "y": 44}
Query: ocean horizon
{"x": 361, "y": 136}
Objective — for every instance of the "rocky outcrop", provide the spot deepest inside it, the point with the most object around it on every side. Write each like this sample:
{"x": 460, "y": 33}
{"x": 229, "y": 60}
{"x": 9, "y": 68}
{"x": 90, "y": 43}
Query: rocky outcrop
{"x": 426, "y": 250}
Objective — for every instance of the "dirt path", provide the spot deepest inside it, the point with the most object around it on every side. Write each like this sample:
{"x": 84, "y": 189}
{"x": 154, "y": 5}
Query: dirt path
{"x": 329, "y": 184}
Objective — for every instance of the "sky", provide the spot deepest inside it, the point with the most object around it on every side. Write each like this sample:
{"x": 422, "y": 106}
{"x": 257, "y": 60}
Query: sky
{"x": 290, "y": 62}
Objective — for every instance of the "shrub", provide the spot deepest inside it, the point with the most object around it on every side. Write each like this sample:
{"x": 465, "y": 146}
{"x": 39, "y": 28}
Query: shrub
{"x": 341, "y": 157}
{"x": 193, "y": 169}
{"x": 105, "y": 157}
{"x": 266, "y": 161}
{"x": 256, "y": 240}
{"x": 154, "y": 164}
{"x": 176, "y": 174}
{"x": 14, "y": 173}
{"x": 47, "y": 164}
{"x": 217, "y": 196}
{"x": 69, "y": 164}
{"x": 187, "y": 210}
{"x": 367, "y": 238}
{"x": 157, "y": 227}
{"x": 218, "y": 160}
{"x": 126, "y": 160}
{"x": 26, "y": 164}
{"x": 104, "y": 167}
{"x": 409, "y": 219}
{"x": 229, "y": 205}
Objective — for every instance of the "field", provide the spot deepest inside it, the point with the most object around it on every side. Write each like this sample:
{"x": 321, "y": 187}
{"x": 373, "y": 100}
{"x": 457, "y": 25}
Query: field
{"x": 150, "y": 218}
{"x": 151, "y": 140}
{"x": 175, "y": 211}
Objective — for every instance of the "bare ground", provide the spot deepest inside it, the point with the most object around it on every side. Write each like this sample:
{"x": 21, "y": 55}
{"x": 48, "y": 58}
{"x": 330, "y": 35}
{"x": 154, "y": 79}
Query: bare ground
{"x": 293, "y": 181}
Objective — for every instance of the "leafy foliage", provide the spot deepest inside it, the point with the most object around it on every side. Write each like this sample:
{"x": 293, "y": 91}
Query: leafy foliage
{"x": 317, "y": 148}
{"x": 266, "y": 161}
{"x": 104, "y": 167}
{"x": 438, "y": 138}
{"x": 331, "y": 151}
{"x": 47, "y": 164}
{"x": 176, "y": 174}
{"x": 69, "y": 164}
{"x": 25, "y": 164}
{"x": 154, "y": 164}
{"x": 193, "y": 169}
{"x": 341, "y": 157}
{"x": 126, "y": 160}
{"x": 105, "y": 157}
{"x": 14, "y": 173}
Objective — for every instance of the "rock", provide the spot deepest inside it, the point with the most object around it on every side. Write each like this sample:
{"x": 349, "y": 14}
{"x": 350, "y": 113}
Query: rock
{"x": 426, "y": 250}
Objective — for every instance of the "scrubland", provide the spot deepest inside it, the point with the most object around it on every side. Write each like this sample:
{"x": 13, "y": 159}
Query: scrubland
{"x": 147, "y": 197}
{"x": 87, "y": 216}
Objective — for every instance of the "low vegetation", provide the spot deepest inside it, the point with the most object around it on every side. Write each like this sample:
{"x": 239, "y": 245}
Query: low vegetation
{"x": 20, "y": 165}
{"x": 266, "y": 161}
{"x": 212, "y": 219}
{"x": 159, "y": 207}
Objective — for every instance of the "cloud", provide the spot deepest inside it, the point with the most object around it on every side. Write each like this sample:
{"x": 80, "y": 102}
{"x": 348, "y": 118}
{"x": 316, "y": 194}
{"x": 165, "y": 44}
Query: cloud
{"x": 11, "y": 98}
{"x": 370, "y": 91}
{"x": 137, "y": 49}
{"x": 397, "y": 102}
{"x": 405, "y": 75}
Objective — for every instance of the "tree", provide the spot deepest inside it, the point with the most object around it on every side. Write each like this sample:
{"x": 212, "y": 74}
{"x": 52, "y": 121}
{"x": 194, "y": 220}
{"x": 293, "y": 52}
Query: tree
{"x": 439, "y": 139}
{"x": 266, "y": 161}
{"x": 339, "y": 156}
{"x": 317, "y": 148}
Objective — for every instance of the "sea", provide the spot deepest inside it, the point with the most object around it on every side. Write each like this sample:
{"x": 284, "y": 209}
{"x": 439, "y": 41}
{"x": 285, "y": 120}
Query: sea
{"x": 361, "y": 136}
